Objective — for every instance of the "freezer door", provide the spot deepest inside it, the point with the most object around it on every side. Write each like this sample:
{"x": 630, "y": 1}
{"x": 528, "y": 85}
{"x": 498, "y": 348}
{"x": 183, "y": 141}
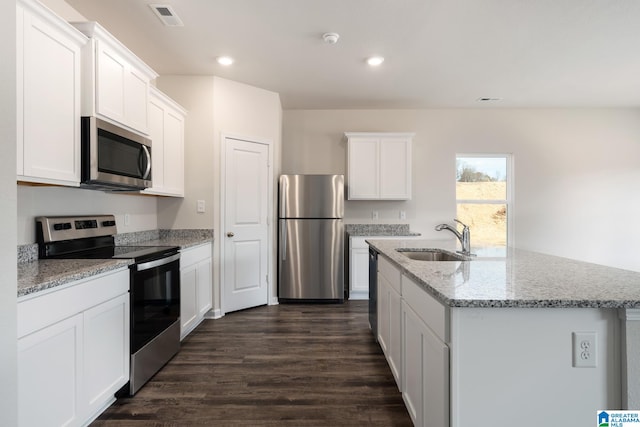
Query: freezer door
{"x": 311, "y": 196}
{"x": 311, "y": 259}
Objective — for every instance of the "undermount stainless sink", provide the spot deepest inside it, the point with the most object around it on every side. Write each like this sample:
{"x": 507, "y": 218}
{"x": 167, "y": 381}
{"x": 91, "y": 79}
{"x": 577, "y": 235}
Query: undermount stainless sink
{"x": 429, "y": 254}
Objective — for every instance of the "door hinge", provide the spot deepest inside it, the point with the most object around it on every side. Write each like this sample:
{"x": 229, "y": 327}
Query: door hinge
{"x": 267, "y": 278}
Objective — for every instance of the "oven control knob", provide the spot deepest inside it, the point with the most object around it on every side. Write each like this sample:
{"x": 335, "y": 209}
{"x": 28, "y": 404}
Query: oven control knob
{"x": 230, "y": 234}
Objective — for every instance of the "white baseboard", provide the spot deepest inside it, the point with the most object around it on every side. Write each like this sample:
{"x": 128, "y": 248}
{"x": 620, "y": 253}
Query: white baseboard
{"x": 214, "y": 314}
{"x": 358, "y": 295}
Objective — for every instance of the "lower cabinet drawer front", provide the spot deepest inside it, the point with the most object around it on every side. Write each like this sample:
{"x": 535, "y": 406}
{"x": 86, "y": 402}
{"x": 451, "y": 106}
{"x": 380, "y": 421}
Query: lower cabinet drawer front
{"x": 37, "y": 312}
{"x": 390, "y": 273}
{"x": 195, "y": 254}
{"x": 430, "y": 310}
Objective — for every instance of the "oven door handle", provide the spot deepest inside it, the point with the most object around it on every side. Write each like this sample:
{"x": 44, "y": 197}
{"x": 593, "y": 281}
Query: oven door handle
{"x": 157, "y": 263}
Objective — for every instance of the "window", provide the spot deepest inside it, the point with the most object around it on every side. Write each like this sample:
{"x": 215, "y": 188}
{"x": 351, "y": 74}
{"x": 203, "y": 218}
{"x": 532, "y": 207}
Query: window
{"x": 483, "y": 200}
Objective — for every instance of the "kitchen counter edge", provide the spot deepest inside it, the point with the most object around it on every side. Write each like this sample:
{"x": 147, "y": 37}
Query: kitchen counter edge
{"x": 536, "y": 280}
{"x": 40, "y": 275}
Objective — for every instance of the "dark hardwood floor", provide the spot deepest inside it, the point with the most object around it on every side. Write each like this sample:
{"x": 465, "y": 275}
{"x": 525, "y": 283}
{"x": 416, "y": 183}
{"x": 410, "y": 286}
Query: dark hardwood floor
{"x": 285, "y": 365}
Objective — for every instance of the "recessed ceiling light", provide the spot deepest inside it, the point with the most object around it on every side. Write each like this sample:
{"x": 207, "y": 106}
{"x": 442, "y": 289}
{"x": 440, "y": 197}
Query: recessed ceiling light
{"x": 374, "y": 61}
{"x": 224, "y": 60}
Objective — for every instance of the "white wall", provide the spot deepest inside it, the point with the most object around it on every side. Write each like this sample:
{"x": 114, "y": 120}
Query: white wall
{"x": 215, "y": 106}
{"x": 575, "y": 170}
{"x": 8, "y": 235}
{"x": 64, "y": 10}
{"x": 53, "y": 201}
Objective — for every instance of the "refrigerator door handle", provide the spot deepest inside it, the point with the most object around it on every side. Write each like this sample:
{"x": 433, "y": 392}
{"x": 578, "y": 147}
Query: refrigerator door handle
{"x": 283, "y": 239}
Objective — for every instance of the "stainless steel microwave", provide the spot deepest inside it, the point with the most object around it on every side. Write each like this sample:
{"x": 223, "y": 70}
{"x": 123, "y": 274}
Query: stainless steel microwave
{"x": 114, "y": 158}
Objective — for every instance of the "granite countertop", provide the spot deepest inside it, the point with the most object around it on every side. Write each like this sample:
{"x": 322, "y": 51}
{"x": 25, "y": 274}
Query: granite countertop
{"x": 515, "y": 278}
{"x": 183, "y": 238}
{"x": 45, "y": 274}
{"x": 38, "y": 275}
{"x": 366, "y": 230}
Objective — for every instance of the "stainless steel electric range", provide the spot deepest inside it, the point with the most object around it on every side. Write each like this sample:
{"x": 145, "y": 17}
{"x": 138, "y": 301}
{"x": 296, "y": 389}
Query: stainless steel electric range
{"x": 154, "y": 287}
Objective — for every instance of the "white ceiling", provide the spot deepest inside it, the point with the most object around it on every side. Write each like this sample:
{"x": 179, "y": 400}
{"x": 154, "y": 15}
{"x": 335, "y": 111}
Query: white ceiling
{"x": 438, "y": 53}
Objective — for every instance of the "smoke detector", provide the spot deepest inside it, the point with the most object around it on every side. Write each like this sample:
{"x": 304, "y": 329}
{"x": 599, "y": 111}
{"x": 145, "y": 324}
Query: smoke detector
{"x": 167, "y": 15}
{"x": 331, "y": 38}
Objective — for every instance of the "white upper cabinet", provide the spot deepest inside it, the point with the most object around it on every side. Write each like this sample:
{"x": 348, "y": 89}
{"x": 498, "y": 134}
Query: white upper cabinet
{"x": 115, "y": 81}
{"x": 48, "y": 96}
{"x": 166, "y": 128}
{"x": 379, "y": 166}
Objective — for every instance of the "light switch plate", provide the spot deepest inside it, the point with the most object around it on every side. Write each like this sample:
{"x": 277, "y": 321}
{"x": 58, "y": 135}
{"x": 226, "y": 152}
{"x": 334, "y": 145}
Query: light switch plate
{"x": 201, "y": 206}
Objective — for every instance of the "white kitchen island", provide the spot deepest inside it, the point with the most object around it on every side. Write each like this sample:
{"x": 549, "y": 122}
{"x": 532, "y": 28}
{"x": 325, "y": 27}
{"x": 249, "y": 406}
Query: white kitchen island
{"x": 500, "y": 341}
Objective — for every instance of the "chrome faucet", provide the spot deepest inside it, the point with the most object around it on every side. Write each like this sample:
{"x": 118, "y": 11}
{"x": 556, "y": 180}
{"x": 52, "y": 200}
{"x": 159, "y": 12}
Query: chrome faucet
{"x": 464, "y": 237}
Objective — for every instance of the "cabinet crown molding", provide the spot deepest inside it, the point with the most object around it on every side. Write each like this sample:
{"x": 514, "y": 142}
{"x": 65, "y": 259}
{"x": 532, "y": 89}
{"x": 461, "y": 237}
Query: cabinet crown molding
{"x": 94, "y": 30}
{"x": 51, "y": 18}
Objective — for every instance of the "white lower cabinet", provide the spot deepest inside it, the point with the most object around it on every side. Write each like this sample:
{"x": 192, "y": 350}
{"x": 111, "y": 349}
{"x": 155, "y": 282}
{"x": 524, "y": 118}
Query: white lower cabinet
{"x": 106, "y": 332}
{"x": 195, "y": 287}
{"x": 49, "y": 375}
{"x": 425, "y": 373}
{"x": 358, "y": 268}
{"x": 468, "y": 366}
{"x": 359, "y": 264}
{"x": 414, "y": 345}
{"x": 389, "y": 326}
{"x": 73, "y": 351}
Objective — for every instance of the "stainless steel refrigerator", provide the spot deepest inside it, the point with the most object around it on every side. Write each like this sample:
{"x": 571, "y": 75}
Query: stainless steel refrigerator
{"x": 311, "y": 238}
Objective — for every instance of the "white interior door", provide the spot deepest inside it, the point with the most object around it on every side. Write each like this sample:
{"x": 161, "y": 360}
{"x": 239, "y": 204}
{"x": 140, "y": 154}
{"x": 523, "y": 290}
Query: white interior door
{"x": 246, "y": 210}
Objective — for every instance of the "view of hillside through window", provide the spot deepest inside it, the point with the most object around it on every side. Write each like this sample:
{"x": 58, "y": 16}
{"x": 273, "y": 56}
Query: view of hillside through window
{"x": 481, "y": 196}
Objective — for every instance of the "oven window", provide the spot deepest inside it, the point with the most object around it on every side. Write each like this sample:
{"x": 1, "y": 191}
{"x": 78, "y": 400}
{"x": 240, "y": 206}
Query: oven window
{"x": 155, "y": 297}
{"x": 118, "y": 155}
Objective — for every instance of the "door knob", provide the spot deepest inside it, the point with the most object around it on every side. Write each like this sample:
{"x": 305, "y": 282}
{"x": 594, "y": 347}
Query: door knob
{"x": 230, "y": 234}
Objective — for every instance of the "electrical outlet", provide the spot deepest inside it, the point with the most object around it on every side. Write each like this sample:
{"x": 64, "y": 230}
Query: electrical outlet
{"x": 374, "y": 215}
{"x": 200, "y": 206}
{"x": 127, "y": 219}
{"x": 584, "y": 349}
{"x": 403, "y": 215}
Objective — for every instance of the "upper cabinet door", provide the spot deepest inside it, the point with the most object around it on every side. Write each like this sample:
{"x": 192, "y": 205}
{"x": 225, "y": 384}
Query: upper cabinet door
{"x": 395, "y": 168}
{"x": 166, "y": 128}
{"x": 364, "y": 170}
{"x": 174, "y": 152}
{"x": 110, "y": 83}
{"x": 379, "y": 166}
{"x": 115, "y": 81}
{"x": 48, "y": 96}
{"x": 136, "y": 86}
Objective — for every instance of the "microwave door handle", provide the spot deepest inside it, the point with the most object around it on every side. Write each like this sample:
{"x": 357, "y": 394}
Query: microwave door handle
{"x": 147, "y": 163}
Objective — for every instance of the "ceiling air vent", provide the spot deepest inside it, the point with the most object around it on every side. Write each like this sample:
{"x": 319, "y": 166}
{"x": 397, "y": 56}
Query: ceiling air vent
{"x": 167, "y": 15}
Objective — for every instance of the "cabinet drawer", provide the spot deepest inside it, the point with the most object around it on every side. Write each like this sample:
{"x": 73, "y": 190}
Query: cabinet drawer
{"x": 195, "y": 254}
{"x": 392, "y": 274}
{"x": 40, "y": 311}
{"x": 430, "y": 310}
{"x": 358, "y": 242}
